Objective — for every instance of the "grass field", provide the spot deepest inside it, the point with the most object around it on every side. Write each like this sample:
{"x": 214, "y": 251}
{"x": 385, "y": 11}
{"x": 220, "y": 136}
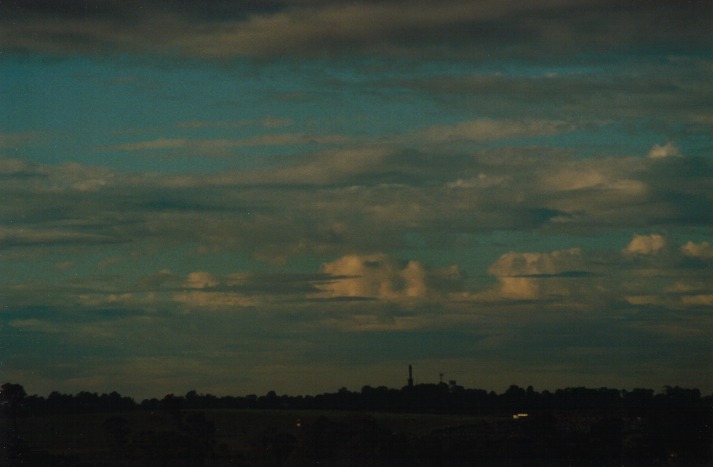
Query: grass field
{"x": 86, "y": 439}
{"x": 70, "y": 433}
{"x": 282, "y": 438}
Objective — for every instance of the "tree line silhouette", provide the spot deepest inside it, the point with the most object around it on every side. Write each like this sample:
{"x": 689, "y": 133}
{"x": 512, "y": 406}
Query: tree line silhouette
{"x": 571, "y": 426}
{"x": 421, "y": 398}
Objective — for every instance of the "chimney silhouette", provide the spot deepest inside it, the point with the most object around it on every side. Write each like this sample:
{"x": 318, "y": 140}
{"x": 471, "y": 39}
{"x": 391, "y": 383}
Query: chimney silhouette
{"x": 410, "y": 376}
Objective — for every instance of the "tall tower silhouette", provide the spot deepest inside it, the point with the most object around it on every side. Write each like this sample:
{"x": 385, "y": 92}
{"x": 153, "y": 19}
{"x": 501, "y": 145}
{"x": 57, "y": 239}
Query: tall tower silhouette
{"x": 410, "y": 376}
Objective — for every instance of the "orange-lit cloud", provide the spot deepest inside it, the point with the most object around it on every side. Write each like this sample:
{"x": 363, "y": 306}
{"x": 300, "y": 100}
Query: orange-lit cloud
{"x": 645, "y": 244}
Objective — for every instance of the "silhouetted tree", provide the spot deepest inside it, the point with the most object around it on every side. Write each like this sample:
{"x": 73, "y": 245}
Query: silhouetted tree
{"x": 12, "y": 398}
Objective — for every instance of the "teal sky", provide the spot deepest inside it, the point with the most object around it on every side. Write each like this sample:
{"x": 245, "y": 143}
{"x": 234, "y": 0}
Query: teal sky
{"x": 238, "y": 197}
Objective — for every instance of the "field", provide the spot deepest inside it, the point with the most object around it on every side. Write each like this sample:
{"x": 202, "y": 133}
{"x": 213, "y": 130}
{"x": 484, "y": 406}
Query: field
{"x": 340, "y": 438}
{"x": 232, "y": 437}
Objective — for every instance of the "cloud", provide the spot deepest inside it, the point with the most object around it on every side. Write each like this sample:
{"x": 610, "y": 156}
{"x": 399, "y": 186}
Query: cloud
{"x": 218, "y": 147}
{"x": 201, "y": 290}
{"x": 704, "y": 300}
{"x": 382, "y": 277}
{"x": 24, "y": 237}
{"x": 107, "y": 262}
{"x": 63, "y": 265}
{"x": 278, "y": 28}
{"x": 490, "y": 130}
{"x": 199, "y": 300}
{"x": 201, "y": 280}
{"x": 157, "y": 280}
{"x": 35, "y": 325}
{"x": 535, "y": 276}
{"x": 597, "y": 280}
{"x": 267, "y": 122}
{"x": 529, "y": 264}
{"x": 667, "y": 150}
{"x": 702, "y": 250}
{"x": 681, "y": 295}
{"x": 645, "y": 245}
{"x": 14, "y": 140}
{"x": 585, "y": 304}
{"x": 356, "y": 199}
{"x": 593, "y": 176}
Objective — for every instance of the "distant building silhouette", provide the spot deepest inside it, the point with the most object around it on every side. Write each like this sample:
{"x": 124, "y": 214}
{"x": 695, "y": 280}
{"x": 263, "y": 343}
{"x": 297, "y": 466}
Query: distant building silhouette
{"x": 410, "y": 376}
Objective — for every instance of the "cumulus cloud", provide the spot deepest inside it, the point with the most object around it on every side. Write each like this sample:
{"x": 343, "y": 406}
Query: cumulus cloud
{"x": 661, "y": 152}
{"x": 536, "y": 264}
{"x": 702, "y": 250}
{"x": 645, "y": 244}
{"x": 598, "y": 280}
{"x": 201, "y": 280}
{"x": 382, "y": 277}
{"x": 534, "y": 275}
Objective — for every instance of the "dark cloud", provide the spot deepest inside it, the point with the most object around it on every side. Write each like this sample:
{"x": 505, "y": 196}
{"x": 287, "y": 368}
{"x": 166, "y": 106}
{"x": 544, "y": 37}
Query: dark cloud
{"x": 596, "y": 89}
{"x": 221, "y": 29}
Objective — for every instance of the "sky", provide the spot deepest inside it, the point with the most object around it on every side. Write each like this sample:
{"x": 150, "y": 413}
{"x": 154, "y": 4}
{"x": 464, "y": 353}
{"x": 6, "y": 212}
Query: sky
{"x": 241, "y": 196}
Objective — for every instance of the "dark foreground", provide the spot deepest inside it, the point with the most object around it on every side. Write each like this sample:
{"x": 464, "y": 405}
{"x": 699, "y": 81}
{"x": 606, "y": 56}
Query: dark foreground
{"x": 574, "y": 427}
{"x": 299, "y": 438}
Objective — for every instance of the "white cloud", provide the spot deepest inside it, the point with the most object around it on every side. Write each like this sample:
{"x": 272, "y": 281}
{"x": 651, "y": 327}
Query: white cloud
{"x": 196, "y": 300}
{"x": 518, "y": 288}
{"x": 212, "y": 292}
{"x": 201, "y": 280}
{"x": 146, "y": 301}
{"x": 481, "y": 181}
{"x": 698, "y": 300}
{"x": 702, "y": 250}
{"x": 382, "y": 277}
{"x": 645, "y": 245}
{"x": 556, "y": 262}
{"x": 534, "y": 275}
{"x": 672, "y": 301}
{"x": 604, "y": 176}
{"x": 667, "y": 150}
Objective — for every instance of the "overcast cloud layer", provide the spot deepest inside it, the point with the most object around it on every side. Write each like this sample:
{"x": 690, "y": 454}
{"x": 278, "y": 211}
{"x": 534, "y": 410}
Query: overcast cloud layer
{"x": 297, "y": 196}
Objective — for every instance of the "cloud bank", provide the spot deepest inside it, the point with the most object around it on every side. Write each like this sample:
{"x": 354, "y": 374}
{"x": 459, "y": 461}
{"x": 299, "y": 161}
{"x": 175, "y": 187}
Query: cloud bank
{"x": 276, "y": 28}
